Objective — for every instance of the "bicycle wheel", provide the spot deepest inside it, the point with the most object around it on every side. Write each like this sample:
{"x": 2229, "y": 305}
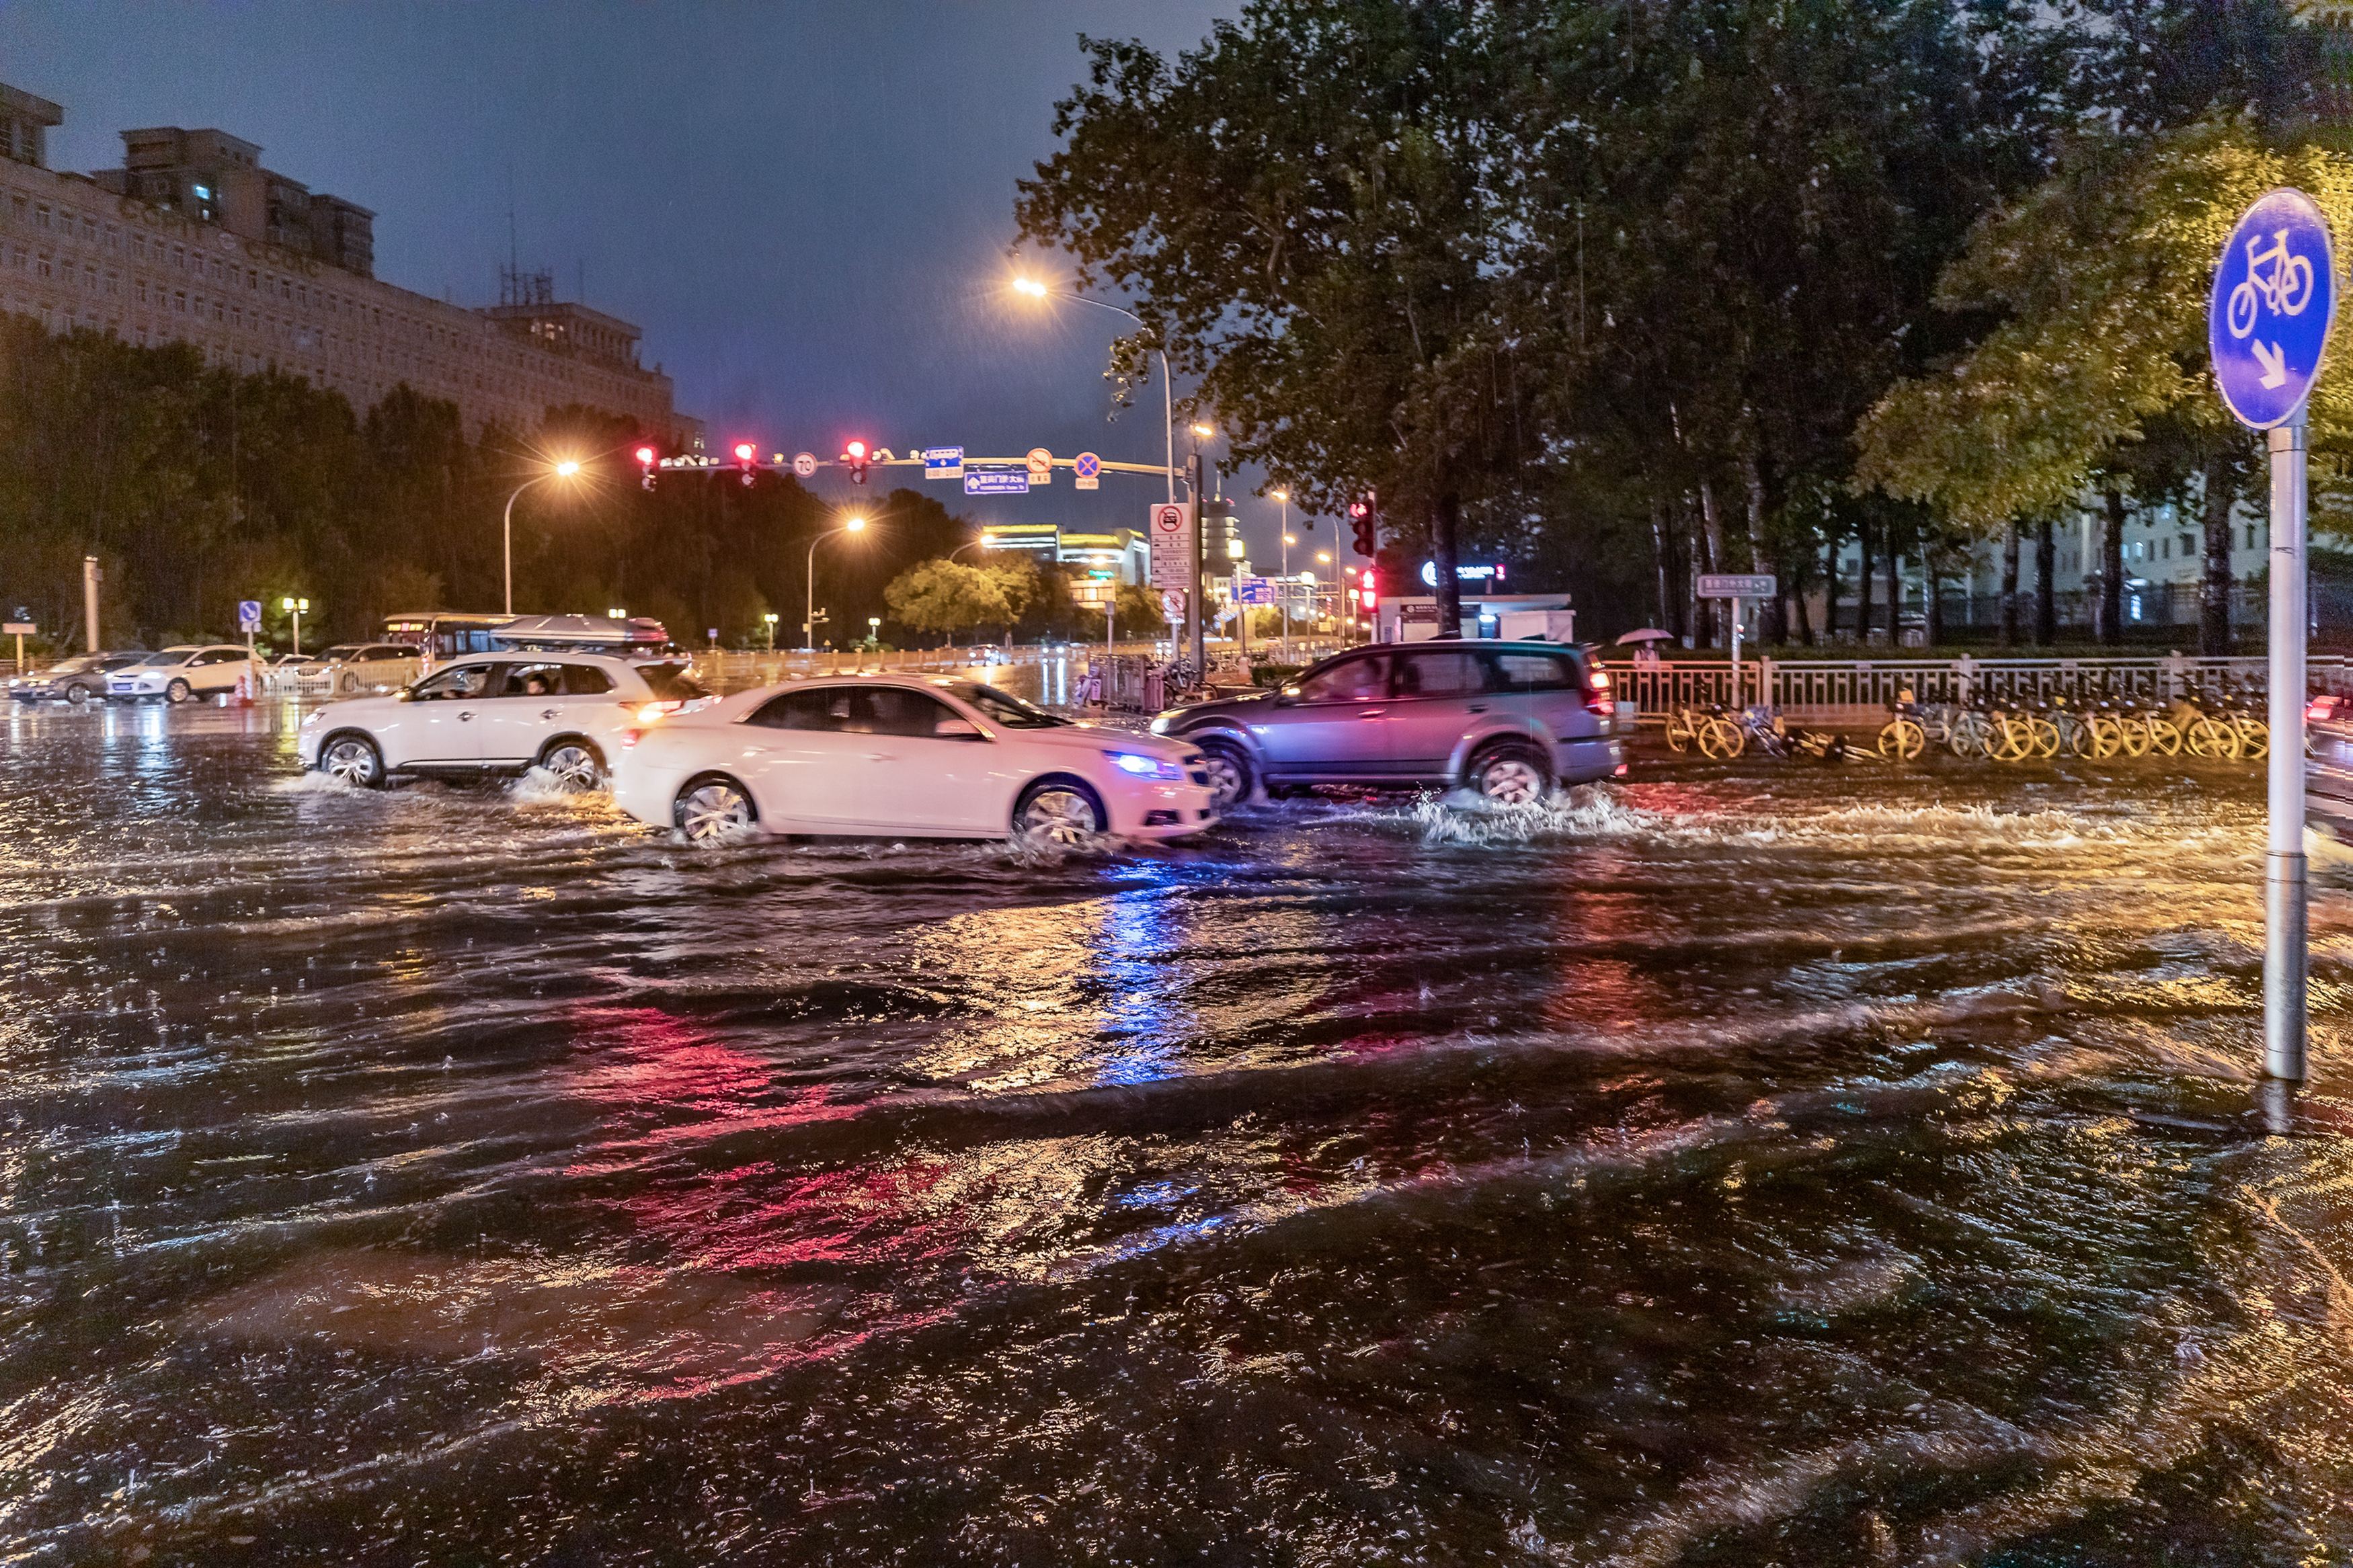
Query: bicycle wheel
{"x": 2164, "y": 737}
{"x": 2013, "y": 739}
{"x": 2045, "y": 737}
{"x": 1968, "y": 735}
{"x": 2107, "y": 737}
{"x": 2076, "y": 738}
{"x": 1679, "y": 729}
{"x": 2209, "y": 737}
{"x": 1717, "y": 738}
{"x": 2134, "y": 731}
{"x": 1902, "y": 740}
{"x": 2255, "y": 738}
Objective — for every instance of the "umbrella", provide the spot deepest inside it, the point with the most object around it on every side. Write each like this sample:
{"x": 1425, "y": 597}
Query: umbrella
{"x": 1648, "y": 634}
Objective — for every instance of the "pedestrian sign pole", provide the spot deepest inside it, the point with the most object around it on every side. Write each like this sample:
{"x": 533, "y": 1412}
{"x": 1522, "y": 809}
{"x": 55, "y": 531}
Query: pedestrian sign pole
{"x": 2267, "y": 322}
{"x": 1736, "y": 586}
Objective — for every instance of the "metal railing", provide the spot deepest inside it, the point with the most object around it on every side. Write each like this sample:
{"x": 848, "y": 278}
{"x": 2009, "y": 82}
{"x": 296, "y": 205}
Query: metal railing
{"x": 1830, "y": 684}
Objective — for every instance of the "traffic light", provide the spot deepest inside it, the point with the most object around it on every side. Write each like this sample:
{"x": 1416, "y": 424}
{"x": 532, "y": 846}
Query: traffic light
{"x": 1368, "y": 594}
{"x": 1364, "y": 523}
{"x": 746, "y": 458}
{"x": 854, "y": 456}
{"x": 646, "y": 458}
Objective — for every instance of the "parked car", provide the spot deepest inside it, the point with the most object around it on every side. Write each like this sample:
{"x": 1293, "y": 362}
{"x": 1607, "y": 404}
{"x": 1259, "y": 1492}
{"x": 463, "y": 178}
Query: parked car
{"x": 179, "y": 674}
{"x": 1508, "y": 720}
{"x": 74, "y": 680}
{"x": 2329, "y": 767}
{"x": 349, "y": 668}
{"x": 499, "y": 712}
{"x": 906, "y": 755}
{"x": 983, "y": 654}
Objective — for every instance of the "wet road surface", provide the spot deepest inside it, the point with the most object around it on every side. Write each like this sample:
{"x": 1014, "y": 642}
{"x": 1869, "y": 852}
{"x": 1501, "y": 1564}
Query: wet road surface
{"x": 1755, "y": 1164}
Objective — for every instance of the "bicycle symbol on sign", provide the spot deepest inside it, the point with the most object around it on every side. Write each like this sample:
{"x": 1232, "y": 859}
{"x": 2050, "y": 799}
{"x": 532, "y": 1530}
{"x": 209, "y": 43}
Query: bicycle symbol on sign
{"x": 2281, "y": 279}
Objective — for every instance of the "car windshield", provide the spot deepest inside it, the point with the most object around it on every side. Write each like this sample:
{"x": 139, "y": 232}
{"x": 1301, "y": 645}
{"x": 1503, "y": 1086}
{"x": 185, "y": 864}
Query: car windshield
{"x": 169, "y": 656}
{"x": 344, "y": 650}
{"x": 76, "y": 665}
{"x": 672, "y": 683}
{"x": 1000, "y": 709}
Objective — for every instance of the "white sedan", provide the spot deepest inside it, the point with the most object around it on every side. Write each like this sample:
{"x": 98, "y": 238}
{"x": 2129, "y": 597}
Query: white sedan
{"x": 931, "y": 757}
{"x": 186, "y": 670}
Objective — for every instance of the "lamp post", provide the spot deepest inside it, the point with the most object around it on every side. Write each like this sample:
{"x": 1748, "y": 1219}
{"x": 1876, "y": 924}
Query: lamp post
{"x": 771, "y": 619}
{"x": 1324, "y": 558}
{"x": 980, "y": 543}
{"x": 563, "y": 470}
{"x": 295, "y": 608}
{"x": 1036, "y": 290}
{"x": 809, "y": 619}
{"x": 1285, "y": 496}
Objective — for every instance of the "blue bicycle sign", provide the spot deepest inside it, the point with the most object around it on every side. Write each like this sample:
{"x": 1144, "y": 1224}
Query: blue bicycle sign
{"x": 2275, "y": 297}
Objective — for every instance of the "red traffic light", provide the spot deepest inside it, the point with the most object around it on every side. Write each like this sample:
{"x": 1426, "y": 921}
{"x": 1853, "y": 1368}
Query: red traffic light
{"x": 855, "y": 449}
{"x": 646, "y": 457}
{"x": 745, "y": 451}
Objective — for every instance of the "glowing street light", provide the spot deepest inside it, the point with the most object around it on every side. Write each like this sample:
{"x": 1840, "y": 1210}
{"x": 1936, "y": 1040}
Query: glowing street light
{"x": 618, "y": 615}
{"x": 563, "y": 469}
{"x": 295, "y": 608}
{"x": 771, "y": 619}
{"x": 808, "y": 577}
{"x": 1032, "y": 289}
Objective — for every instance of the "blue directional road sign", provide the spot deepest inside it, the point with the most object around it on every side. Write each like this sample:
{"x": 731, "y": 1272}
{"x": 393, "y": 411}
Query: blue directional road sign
{"x": 2275, "y": 297}
{"x": 249, "y": 614}
{"x": 1255, "y": 590}
{"x": 944, "y": 462}
{"x": 996, "y": 481}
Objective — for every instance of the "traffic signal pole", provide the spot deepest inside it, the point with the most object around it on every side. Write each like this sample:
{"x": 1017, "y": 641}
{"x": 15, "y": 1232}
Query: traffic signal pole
{"x": 1196, "y": 632}
{"x": 2285, "y": 958}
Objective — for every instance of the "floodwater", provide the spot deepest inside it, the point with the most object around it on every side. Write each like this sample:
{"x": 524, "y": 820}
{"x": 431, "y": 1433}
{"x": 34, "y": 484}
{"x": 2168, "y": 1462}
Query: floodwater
{"x": 1754, "y": 1163}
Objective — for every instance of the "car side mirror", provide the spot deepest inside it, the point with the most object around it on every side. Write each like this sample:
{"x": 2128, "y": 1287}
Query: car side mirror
{"x": 1288, "y": 693}
{"x": 956, "y": 730}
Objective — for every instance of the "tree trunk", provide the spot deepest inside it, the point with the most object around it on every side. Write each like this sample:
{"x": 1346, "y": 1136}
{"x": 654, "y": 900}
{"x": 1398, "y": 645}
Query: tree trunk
{"x": 1830, "y": 585}
{"x": 1863, "y": 581}
{"x": 2009, "y": 585}
{"x": 2214, "y": 589}
{"x": 1713, "y": 521}
{"x": 1932, "y": 587}
{"x": 1805, "y": 617}
{"x": 1895, "y": 590}
{"x": 1445, "y": 523}
{"x": 1659, "y": 559}
{"x": 2112, "y": 571}
{"x": 2046, "y": 587}
{"x": 1771, "y": 629}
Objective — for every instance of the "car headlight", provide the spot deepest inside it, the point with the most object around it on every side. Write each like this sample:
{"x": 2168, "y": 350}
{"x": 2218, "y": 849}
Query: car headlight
{"x": 1145, "y": 767}
{"x": 1160, "y": 723}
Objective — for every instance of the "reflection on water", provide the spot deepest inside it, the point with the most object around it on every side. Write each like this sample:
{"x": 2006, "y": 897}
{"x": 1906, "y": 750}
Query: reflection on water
{"x": 1743, "y": 1165}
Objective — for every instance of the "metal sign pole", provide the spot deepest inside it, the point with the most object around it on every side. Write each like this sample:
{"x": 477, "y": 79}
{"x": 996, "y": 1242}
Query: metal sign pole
{"x": 1735, "y": 604}
{"x": 2285, "y": 957}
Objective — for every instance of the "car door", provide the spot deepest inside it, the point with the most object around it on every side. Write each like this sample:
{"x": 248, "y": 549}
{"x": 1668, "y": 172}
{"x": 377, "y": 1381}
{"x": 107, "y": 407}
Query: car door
{"x": 925, "y": 768}
{"x": 1332, "y": 728}
{"x": 215, "y": 668}
{"x": 524, "y": 710}
{"x": 1437, "y": 695}
{"x": 441, "y": 722}
{"x": 1545, "y": 692}
{"x": 798, "y": 758}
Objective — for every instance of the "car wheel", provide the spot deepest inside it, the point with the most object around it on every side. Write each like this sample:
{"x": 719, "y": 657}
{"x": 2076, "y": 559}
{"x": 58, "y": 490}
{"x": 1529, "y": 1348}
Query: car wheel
{"x": 711, "y": 809}
{"x": 77, "y": 694}
{"x": 1231, "y": 778}
{"x": 575, "y": 764}
{"x": 1058, "y": 811}
{"x": 349, "y": 682}
{"x": 1510, "y": 775}
{"x": 178, "y": 691}
{"x": 352, "y": 759}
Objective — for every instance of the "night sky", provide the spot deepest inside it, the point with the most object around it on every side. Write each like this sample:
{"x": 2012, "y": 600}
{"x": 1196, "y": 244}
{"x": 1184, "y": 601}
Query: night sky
{"x": 806, "y": 207}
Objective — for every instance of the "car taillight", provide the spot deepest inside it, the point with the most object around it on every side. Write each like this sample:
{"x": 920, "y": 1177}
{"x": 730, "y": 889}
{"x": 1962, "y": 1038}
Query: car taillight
{"x": 1598, "y": 680}
{"x": 2320, "y": 710}
{"x": 653, "y": 712}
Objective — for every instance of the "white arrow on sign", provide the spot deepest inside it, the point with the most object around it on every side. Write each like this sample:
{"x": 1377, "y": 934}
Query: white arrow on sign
{"x": 2275, "y": 363}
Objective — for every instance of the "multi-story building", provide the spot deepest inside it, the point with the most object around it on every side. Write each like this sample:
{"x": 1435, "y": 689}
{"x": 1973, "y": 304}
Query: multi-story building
{"x": 192, "y": 240}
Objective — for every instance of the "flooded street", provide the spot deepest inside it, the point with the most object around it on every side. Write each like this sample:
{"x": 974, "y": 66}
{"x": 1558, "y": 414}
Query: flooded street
{"x": 1753, "y": 1164}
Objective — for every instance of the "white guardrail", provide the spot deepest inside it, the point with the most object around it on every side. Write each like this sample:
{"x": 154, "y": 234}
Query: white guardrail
{"x": 1848, "y": 688}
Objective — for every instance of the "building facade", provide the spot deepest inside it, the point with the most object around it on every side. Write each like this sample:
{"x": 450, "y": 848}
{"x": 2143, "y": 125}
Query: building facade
{"x": 194, "y": 241}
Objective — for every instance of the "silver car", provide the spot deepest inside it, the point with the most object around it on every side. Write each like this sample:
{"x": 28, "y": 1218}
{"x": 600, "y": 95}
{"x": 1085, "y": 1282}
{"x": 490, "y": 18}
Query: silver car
{"x": 1508, "y": 720}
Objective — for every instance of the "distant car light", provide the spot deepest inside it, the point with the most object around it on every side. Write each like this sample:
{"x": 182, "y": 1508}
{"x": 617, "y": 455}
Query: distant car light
{"x": 654, "y": 712}
{"x": 1160, "y": 725}
{"x": 2320, "y": 710}
{"x": 1145, "y": 767}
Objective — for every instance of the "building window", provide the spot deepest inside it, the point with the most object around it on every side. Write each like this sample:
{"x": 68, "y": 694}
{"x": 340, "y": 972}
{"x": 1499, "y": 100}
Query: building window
{"x": 42, "y": 216}
{"x": 41, "y": 265}
{"x": 138, "y": 289}
{"x": 180, "y": 300}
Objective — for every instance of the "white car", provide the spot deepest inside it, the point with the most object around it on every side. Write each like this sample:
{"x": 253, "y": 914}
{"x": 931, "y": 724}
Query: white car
{"x": 931, "y": 757}
{"x": 189, "y": 670}
{"x": 499, "y": 712}
{"x": 349, "y": 668}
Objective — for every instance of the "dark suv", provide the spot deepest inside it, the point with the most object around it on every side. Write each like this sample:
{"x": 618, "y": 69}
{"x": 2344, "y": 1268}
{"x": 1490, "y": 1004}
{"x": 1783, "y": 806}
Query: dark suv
{"x": 1509, "y": 719}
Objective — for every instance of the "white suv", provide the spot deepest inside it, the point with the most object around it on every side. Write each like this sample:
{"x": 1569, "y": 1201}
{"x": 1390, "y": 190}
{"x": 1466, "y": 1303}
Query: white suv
{"x": 349, "y": 668}
{"x": 500, "y": 712}
{"x": 189, "y": 670}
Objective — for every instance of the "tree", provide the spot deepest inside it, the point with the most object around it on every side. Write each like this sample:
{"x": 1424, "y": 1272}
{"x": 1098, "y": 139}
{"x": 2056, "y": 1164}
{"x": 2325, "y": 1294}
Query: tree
{"x": 2095, "y": 381}
{"x": 946, "y": 596}
{"x": 1316, "y": 251}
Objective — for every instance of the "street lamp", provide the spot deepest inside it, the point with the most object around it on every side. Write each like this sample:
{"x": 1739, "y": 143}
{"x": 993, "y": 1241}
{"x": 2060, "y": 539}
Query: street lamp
{"x": 808, "y": 622}
{"x": 618, "y": 615}
{"x": 564, "y": 469}
{"x": 1285, "y": 496}
{"x": 295, "y": 608}
{"x": 771, "y": 619}
{"x": 980, "y": 543}
{"x": 1036, "y": 290}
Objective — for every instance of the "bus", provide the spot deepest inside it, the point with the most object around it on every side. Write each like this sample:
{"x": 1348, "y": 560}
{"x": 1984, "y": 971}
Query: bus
{"x": 438, "y": 634}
